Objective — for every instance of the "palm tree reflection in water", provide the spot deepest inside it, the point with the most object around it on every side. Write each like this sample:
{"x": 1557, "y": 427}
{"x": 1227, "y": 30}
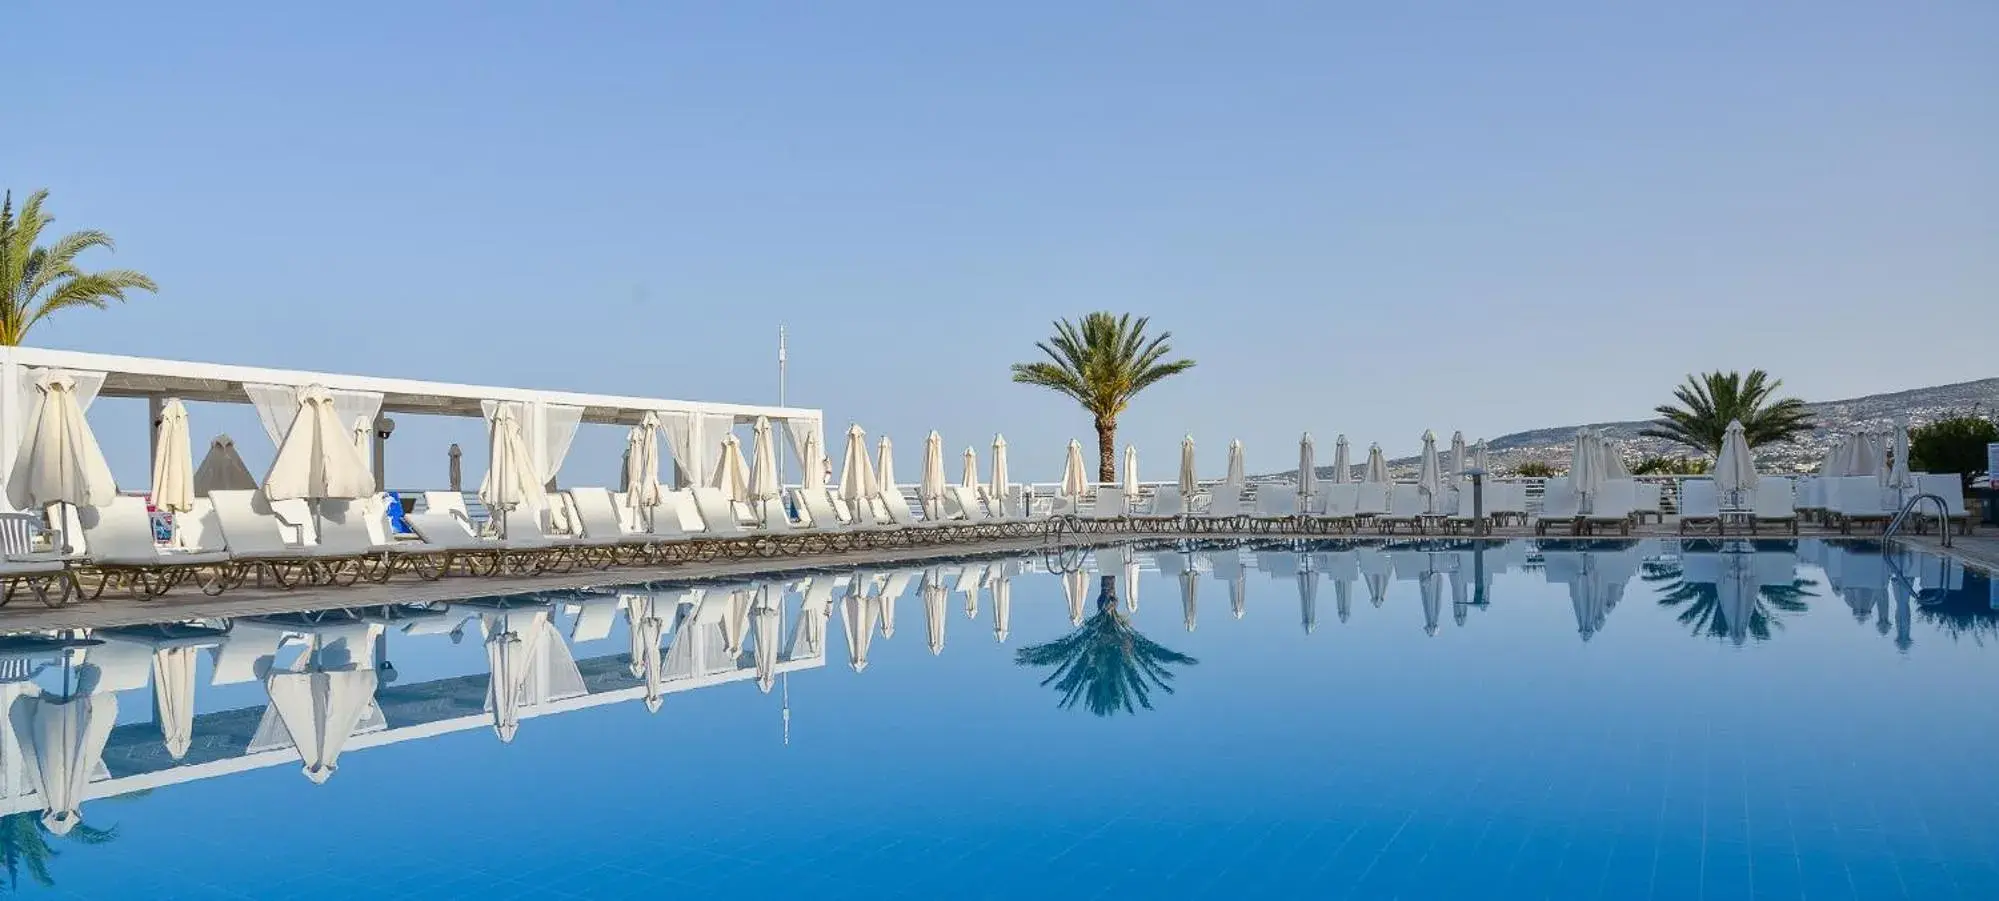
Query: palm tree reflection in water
{"x": 24, "y": 844}
{"x": 1105, "y": 663}
{"x": 1699, "y": 603}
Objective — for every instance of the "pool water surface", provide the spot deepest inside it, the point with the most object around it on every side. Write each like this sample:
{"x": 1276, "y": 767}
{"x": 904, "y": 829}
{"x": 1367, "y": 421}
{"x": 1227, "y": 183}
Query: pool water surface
{"x": 1610, "y": 719}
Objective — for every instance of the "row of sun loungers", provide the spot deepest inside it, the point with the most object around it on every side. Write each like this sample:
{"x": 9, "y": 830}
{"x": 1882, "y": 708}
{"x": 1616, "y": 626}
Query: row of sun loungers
{"x": 235, "y": 537}
{"x": 1276, "y": 507}
{"x": 1618, "y": 505}
{"x": 1841, "y": 502}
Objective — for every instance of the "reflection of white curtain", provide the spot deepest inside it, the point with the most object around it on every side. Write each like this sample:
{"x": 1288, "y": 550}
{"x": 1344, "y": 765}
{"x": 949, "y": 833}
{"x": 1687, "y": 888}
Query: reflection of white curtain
{"x": 799, "y": 429}
{"x": 87, "y": 385}
{"x": 558, "y": 431}
{"x": 679, "y": 431}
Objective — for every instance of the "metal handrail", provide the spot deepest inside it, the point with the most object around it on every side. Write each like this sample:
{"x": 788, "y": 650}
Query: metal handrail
{"x": 1943, "y": 519}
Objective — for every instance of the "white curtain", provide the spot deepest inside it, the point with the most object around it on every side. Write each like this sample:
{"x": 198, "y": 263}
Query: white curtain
{"x": 356, "y": 405}
{"x": 799, "y": 430}
{"x": 87, "y": 385}
{"x": 276, "y": 406}
{"x": 709, "y": 441}
{"x": 680, "y": 442}
{"x": 558, "y": 430}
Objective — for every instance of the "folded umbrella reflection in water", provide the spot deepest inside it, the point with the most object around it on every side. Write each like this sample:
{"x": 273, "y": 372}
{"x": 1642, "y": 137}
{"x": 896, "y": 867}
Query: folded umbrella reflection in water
{"x": 857, "y": 617}
{"x": 1129, "y": 559}
{"x": 1431, "y": 586}
{"x": 646, "y": 628}
{"x": 1342, "y": 568}
{"x": 1075, "y": 590}
{"x": 1308, "y": 597}
{"x": 324, "y": 698}
{"x": 1106, "y": 664}
{"x": 767, "y": 618}
{"x": 970, "y": 579}
{"x": 934, "y": 594}
{"x": 1001, "y": 576}
{"x": 892, "y": 591}
{"x": 813, "y": 612}
{"x": 63, "y": 736}
{"x": 1375, "y": 569}
{"x": 1180, "y": 568}
{"x": 1226, "y": 565}
{"x": 321, "y": 709}
{"x": 528, "y": 662}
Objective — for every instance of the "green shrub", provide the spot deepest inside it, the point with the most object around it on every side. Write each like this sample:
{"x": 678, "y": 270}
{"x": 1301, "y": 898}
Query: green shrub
{"x": 1955, "y": 444}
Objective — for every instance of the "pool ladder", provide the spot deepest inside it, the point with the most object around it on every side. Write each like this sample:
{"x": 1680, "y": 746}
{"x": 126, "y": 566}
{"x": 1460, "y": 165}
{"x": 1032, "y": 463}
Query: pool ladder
{"x": 1943, "y": 519}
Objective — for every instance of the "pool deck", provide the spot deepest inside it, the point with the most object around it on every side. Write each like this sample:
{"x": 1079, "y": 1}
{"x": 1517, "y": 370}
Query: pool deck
{"x": 24, "y": 615}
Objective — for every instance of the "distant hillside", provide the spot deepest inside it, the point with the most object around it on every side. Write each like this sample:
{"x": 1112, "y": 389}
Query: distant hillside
{"x": 1919, "y": 405}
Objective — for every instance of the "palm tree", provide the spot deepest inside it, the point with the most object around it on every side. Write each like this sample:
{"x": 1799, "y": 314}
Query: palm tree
{"x": 1709, "y": 401}
{"x": 38, "y": 281}
{"x": 1699, "y": 603}
{"x": 24, "y": 843}
{"x": 1102, "y": 362}
{"x": 1105, "y": 662}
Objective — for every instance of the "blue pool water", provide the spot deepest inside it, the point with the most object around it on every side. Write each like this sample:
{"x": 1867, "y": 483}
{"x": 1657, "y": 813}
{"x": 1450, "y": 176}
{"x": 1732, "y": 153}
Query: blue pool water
{"x": 1617, "y": 720}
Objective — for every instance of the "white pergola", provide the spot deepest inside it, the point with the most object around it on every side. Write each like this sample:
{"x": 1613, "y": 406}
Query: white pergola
{"x": 691, "y": 428}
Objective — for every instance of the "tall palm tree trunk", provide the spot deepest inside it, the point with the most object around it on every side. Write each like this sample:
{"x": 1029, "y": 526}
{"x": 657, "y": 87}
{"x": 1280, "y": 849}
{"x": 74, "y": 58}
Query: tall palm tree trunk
{"x": 1106, "y": 450}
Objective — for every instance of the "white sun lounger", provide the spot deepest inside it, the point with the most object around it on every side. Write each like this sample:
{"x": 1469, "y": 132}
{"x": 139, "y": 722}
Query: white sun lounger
{"x": 1949, "y": 487}
{"x": 604, "y": 529}
{"x": 1111, "y": 510}
{"x": 119, "y": 536}
{"x": 1700, "y": 505}
{"x": 1611, "y": 508}
{"x": 255, "y": 537}
{"x": 1646, "y": 501}
{"x": 1559, "y": 505}
{"x": 1225, "y": 510}
{"x": 1859, "y": 500}
{"x": 839, "y": 535}
{"x": 1276, "y": 507}
{"x": 1406, "y": 506}
{"x": 1774, "y": 505}
{"x": 1465, "y": 514}
{"x": 1370, "y": 500}
{"x": 926, "y": 530}
{"x": 1341, "y": 507}
{"x": 1167, "y": 509}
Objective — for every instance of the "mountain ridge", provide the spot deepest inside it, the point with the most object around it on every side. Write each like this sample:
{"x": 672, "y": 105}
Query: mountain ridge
{"x": 1919, "y": 405}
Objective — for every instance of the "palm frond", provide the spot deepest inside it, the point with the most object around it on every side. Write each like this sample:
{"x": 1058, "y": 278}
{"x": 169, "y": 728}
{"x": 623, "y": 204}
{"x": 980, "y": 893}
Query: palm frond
{"x": 1707, "y": 402}
{"x": 1102, "y": 361}
{"x": 38, "y": 281}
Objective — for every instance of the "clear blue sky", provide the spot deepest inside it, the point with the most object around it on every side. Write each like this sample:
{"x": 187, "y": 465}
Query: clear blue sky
{"x": 1370, "y": 219}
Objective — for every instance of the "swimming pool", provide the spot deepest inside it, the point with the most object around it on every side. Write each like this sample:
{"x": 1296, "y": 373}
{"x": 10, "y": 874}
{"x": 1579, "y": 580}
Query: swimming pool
{"x": 1617, "y": 719}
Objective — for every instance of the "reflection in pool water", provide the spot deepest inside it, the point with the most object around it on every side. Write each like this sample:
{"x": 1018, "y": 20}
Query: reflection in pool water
{"x": 1506, "y": 720}
{"x": 1106, "y": 662}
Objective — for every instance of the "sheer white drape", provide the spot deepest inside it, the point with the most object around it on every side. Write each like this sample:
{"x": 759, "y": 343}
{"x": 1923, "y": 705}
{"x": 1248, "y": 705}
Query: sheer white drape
{"x": 680, "y": 443}
{"x": 558, "y": 431}
{"x": 86, "y": 385}
{"x": 549, "y": 430}
{"x": 277, "y": 406}
{"x": 708, "y": 443}
{"x": 799, "y": 429}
